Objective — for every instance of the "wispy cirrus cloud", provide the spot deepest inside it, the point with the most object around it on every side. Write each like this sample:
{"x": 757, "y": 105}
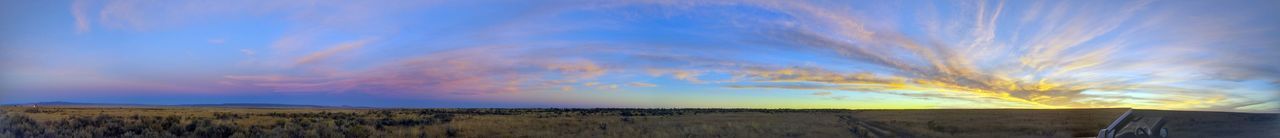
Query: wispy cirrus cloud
{"x": 78, "y": 10}
{"x": 468, "y": 71}
{"x": 344, "y": 47}
{"x": 641, "y": 84}
{"x": 1054, "y": 66}
{"x": 1064, "y": 54}
{"x": 821, "y": 93}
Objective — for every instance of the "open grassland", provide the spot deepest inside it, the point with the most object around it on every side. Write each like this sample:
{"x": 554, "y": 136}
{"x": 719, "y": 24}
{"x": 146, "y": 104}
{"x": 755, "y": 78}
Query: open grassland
{"x": 319, "y": 122}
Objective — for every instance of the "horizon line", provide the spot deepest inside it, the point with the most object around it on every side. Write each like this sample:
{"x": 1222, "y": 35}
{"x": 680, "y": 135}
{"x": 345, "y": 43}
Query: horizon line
{"x": 635, "y": 108}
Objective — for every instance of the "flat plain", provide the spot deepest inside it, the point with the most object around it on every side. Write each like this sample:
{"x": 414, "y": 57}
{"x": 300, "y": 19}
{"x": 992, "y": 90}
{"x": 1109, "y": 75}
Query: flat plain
{"x": 18, "y": 121}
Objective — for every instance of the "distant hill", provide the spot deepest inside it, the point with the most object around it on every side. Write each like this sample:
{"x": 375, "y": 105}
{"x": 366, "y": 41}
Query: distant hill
{"x": 75, "y": 104}
{"x": 225, "y": 105}
{"x": 257, "y": 105}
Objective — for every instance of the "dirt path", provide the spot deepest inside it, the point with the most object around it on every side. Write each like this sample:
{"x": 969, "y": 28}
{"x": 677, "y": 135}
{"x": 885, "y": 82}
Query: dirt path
{"x": 870, "y": 129}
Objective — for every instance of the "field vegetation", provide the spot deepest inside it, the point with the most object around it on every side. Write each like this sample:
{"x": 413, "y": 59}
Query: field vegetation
{"x": 337, "y": 122}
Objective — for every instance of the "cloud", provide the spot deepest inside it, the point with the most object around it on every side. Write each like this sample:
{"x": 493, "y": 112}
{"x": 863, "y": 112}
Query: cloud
{"x": 821, "y": 93}
{"x": 144, "y": 15}
{"x": 608, "y": 87}
{"x": 1037, "y": 54}
{"x": 83, "y": 80}
{"x": 336, "y": 49}
{"x": 78, "y": 10}
{"x": 584, "y": 69}
{"x": 465, "y": 71}
{"x": 690, "y": 75}
{"x": 292, "y": 42}
{"x": 641, "y": 84}
{"x": 829, "y": 95}
{"x": 1051, "y": 67}
{"x": 248, "y": 52}
{"x": 217, "y": 41}
{"x": 566, "y": 88}
{"x": 839, "y": 97}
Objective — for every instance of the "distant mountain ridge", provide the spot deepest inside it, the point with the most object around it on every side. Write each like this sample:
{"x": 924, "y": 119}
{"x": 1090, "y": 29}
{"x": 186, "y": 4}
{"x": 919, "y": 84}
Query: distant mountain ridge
{"x": 258, "y": 105}
{"x": 230, "y": 105}
{"x": 62, "y": 103}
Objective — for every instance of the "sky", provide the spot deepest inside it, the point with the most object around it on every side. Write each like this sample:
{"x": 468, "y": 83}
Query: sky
{"x": 1174, "y": 55}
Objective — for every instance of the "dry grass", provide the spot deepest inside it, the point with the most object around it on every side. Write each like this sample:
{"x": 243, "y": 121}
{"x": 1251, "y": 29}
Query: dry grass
{"x": 638, "y": 122}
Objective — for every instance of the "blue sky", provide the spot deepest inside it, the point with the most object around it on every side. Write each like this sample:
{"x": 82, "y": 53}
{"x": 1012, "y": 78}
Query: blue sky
{"x": 1182, "y": 55}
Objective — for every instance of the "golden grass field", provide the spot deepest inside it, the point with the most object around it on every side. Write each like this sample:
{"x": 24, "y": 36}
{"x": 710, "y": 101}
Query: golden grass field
{"x": 336, "y": 122}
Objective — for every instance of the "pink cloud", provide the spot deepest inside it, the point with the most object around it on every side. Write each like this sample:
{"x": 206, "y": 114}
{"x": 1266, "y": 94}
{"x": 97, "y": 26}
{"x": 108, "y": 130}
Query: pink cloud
{"x": 641, "y": 84}
{"x": 337, "y": 49}
{"x": 78, "y": 10}
{"x": 468, "y": 71}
